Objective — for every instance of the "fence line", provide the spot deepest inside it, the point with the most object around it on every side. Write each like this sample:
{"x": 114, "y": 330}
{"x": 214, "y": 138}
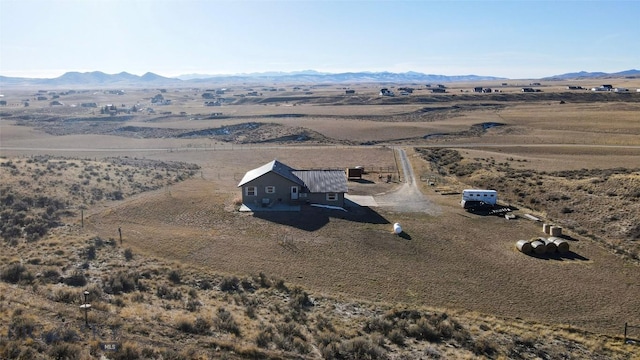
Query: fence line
{"x": 626, "y": 327}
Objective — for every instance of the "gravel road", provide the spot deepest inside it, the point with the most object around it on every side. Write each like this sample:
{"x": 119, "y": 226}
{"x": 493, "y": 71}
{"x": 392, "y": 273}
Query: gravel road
{"x": 407, "y": 197}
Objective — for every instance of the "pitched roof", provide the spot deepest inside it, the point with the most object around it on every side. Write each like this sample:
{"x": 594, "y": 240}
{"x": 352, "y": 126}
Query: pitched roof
{"x": 323, "y": 181}
{"x": 273, "y": 166}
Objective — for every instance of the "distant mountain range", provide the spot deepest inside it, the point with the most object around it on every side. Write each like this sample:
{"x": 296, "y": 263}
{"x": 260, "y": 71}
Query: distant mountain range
{"x": 124, "y": 79}
{"x": 97, "y": 78}
{"x": 91, "y": 79}
{"x": 595, "y": 75}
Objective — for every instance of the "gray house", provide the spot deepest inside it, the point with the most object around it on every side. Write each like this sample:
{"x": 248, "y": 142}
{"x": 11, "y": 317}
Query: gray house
{"x": 275, "y": 183}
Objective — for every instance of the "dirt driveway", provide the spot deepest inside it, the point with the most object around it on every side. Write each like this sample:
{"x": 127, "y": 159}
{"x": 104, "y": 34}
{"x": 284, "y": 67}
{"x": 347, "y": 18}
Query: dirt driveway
{"x": 406, "y": 198}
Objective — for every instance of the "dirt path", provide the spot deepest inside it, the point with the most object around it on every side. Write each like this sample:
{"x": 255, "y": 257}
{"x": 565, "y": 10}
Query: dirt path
{"x": 407, "y": 197}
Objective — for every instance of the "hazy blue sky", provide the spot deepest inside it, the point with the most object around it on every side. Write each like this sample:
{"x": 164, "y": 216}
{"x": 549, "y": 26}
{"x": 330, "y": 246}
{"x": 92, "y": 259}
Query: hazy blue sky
{"x": 515, "y": 39}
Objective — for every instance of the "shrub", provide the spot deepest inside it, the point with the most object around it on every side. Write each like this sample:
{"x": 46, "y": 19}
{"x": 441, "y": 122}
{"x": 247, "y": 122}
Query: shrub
{"x": 423, "y": 330}
{"x": 263, "y": 281}
{"x": 126, "y": 352}
{"x": 264, "y": 337}
{"x": 299, "y": 299}
{"x": 378, "y": 324}
{"x": 65, "y": 295}
{"x": 121, "y": 282}
{"x": 15, "y": 273}
{"x": 230, "y": 284}
{"x": 225, "y": 322}
{"x": 51, "y": 276}
{"x": 484, "y": 346}
{"x": 193, "y": 305}
{"x": 90, "y": 253}
{"x": 200, "y": 326}
{"x": 21, "y": 326}
{"x": 65, "y": 351}
{"x": 60, "y": 335}
{"x": 361, "y": 348}
{"x": 396, "y": 336}
{"x": 76, "y": 279}
{"x": 163, "y": 292}
{"x": 128, "y": 254}
{"x": 175, "y": 277}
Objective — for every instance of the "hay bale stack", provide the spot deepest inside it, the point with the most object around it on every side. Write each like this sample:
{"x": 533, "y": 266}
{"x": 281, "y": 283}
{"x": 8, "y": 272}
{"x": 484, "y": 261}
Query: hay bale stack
{"x": 538, "y": 247}
{"x": 555, "y": 231}
{"x": 561, "y": 244}
{"x": 524, "y": 246}
{"x": 551, "y": 246}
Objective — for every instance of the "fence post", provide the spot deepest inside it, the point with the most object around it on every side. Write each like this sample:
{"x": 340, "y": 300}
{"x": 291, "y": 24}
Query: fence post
{"x": 625, "y": 333}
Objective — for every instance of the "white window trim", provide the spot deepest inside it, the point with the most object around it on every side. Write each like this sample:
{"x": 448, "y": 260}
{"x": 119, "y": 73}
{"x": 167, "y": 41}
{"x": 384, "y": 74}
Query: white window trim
{"x": 332, "y": 196}
{"x": 254, "y": 188}
{"x": 270, "y": 189}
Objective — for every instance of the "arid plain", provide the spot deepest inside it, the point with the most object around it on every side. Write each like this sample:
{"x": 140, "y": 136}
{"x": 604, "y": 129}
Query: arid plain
{"x": 570, "y": 158}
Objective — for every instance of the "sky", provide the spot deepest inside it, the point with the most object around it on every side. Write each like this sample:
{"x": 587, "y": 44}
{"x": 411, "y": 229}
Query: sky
{"x": 512, "y": 39}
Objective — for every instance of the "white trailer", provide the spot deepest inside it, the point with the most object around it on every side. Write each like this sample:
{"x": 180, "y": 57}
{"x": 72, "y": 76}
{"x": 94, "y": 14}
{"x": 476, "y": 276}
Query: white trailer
{"x": 478, "y": 197}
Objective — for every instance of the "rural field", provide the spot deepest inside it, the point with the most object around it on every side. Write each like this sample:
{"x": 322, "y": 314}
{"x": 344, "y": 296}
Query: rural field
{"x": 135, "y": 200}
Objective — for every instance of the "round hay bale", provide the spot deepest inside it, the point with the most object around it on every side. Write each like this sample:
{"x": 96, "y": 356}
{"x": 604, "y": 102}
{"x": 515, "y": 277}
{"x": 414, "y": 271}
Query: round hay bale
{"x": 524, "y": 246}
{"x": 555, "y": 231}
{"x": 397, "y": 229}
{"x": 561, "y": 245}
{"x": 538, "y": 247}
{"x": 551, "y": 246}
{"x": 546, "y": 228}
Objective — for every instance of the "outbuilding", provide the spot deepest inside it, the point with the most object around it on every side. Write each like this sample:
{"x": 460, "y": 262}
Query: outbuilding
{"x": 478, "y": 197}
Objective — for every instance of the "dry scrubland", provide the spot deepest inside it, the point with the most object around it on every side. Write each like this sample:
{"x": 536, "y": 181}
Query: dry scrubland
{"x": 194, "y": 278}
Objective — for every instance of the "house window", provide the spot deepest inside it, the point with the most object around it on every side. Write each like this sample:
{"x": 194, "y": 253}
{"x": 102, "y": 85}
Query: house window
{"x": 332, "y": 197}
{"x": 251, "y": 191}
{"x": 270, "y": 189}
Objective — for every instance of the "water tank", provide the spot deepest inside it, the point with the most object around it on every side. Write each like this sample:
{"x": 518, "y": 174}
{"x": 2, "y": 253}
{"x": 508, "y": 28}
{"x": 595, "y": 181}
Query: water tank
{"x": 397, "y": 229}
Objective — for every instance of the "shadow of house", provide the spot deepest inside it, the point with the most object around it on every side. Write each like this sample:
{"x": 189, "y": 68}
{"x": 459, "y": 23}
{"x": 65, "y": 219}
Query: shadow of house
{"x": 310, "y": 218}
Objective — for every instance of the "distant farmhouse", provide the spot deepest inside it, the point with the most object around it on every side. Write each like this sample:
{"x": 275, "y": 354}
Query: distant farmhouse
{"x": 277, "y": 186}
{"x": 386, "y": 92}
{"x": 605, "y": 87}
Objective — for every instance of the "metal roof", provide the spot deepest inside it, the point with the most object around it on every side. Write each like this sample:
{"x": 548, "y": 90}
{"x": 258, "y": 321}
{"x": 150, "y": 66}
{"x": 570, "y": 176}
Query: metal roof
{"x": 273, "y": 166}
{"x": 323, "y": 181}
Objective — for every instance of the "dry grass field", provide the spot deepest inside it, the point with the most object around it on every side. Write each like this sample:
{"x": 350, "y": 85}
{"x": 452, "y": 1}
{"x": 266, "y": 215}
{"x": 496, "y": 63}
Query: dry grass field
{"x": 195, "y": 278}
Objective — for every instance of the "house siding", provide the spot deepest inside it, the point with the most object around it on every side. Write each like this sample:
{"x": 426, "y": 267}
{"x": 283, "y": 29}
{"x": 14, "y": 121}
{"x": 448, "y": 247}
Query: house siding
{"x": 282, "y": 190}
{"x": 321, "y": 198}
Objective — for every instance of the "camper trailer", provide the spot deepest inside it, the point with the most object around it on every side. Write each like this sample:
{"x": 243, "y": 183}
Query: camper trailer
{"x": 475, "y": 198}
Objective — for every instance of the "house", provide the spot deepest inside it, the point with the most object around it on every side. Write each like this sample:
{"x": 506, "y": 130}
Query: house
{"x": 527, "y": 89}
{"x": 438, "y": 90}
{"x": 349, "y": 92}
{"x": 386, "y": 92}
{"x": 275, "y": 184}
{"x": 477, "y": 89}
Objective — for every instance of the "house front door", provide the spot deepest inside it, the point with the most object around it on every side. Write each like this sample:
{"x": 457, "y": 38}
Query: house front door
{"x": 294, "y": 193}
